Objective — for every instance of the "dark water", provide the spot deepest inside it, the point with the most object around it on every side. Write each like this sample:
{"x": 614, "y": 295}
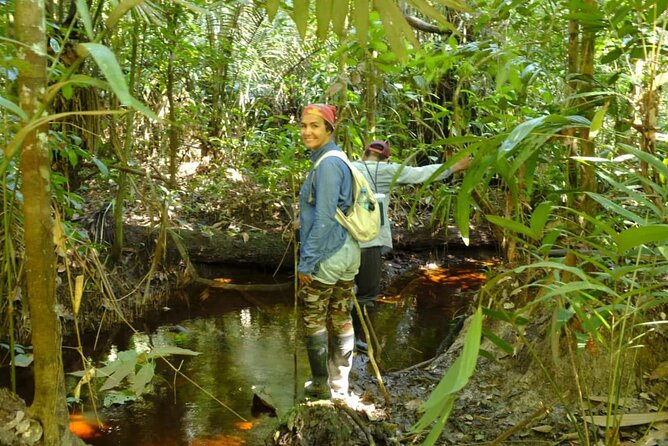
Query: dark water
{"x": 252, "y": 344}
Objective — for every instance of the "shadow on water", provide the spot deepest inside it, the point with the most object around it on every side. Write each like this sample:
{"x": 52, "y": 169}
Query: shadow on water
{"x": 252, "y": 344}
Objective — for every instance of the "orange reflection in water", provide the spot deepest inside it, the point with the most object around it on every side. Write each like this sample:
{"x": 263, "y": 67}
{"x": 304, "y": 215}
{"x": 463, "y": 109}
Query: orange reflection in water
{"x": 86, "y": 426}
{"x": 220, "y": 440}
{"x": 243, "y": 425}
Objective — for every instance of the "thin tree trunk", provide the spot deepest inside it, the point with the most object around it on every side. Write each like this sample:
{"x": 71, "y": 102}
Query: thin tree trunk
{"x": 49, "y": 405}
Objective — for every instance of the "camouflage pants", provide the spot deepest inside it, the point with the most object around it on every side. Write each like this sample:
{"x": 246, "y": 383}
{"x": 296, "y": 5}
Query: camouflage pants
{"x": 327, "y": 307}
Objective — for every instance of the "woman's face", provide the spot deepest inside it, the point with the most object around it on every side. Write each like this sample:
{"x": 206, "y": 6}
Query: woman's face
{"x": 314, "y": 131}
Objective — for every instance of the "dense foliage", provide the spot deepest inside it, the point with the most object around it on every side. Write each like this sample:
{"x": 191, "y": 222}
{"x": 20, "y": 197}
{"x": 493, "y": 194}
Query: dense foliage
{"x": 193, "y": 105}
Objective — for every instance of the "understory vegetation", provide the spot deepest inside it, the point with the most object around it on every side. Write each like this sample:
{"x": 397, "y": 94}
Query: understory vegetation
{"x": 181, "y": 114}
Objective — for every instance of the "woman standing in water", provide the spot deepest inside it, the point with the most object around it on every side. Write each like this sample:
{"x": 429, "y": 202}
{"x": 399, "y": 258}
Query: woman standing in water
{"x": 329, "y": 258}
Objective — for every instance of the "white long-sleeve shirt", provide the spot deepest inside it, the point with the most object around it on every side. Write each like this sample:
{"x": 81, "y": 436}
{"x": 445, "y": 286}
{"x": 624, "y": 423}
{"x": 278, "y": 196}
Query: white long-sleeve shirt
{"x": 381, "y": 176}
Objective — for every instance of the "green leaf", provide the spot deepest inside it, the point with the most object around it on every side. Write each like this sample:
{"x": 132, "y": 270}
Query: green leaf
{"x": 576, "y": 287}
{"x": 539, "y": 218}
{"x": 361, "y": 21}
{"x": 323, "y": 15}
{"x": 272, "y": 8}
{"x": 84, "y": 13}
{"x": 143, "y": 377}
{"x": 614, "y": 207}
{"x": 455, "y": 4}
{"x": 12, "y": 107}
{"x": 597, "y": 121}
{"x": 439, "y": 405}
{"x": 632, "y": 237}
{"x": 339, "y": 14}
{"x": 119, "y": 11}
{"x": 503, "y": 345}
{"x": 106, "y": 60}
{"x": 300, "y": 16}
{"x": 104, "y": 170}
{"x": 511, "y": 225}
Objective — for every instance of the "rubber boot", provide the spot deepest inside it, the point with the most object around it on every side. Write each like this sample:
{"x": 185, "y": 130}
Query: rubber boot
{"x": 340, "y": 363}
{"x": 316, "y": 347}
{"x": 360, "y": 345}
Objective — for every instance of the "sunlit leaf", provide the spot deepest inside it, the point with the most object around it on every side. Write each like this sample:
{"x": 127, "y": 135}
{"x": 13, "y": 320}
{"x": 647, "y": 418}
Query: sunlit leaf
{"x": 300, "y": 16}
{"x": 84, "y": 13}
{"x": 323, "y": 14}
{"x": 109, "y": 66}
{"x": 361, "y": 21}
{"x": 633, "y": 237}
{"x": 12, "y": 107}
{"x": 339, "y": 14}
{"x": 272, "y": 8}
{"x": 597, "y": 121}
{"x": 120, "y": 10}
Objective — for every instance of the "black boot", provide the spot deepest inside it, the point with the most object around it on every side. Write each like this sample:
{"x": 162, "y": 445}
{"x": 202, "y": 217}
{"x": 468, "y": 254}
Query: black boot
{"x": 340, "y": 363}
{"x": 360, "y": 345}
{"x": 316, "y": 347}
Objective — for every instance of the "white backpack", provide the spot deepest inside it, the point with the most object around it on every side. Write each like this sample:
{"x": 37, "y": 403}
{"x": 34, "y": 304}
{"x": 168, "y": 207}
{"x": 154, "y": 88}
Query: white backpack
{"x": 363, "y": 218}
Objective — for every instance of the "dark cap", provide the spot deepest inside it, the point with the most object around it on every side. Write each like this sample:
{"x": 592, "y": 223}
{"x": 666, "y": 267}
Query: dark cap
{"x": 380, "y": 147}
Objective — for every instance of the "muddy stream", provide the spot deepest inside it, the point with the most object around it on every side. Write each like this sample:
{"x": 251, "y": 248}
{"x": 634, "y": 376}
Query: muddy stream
{"x": 252, "y": 344}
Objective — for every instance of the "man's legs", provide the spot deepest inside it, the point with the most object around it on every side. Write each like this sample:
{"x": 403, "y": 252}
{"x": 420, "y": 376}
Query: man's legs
{"x": 368, "y": 287}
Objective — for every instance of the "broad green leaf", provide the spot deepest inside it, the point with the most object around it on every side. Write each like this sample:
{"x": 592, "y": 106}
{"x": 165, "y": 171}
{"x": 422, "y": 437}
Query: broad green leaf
{"x": 519, "y": 133}
{"x": 143, "y": 377}
{"x": 616, "y": 208}
{"x": 633, "y": 237}
{"x": 12, "y": 107}
{"x": 548, "y": 265}
{"x": 272, "y": 8}
{"x": 339, "y": 14}
{"x": 539, "y": 217}
{"x": 123, "y": 369}
{"x": 300, "y": 16}
{"x": 576, "y": 286}
{"x": 660, "y": 80}
{"x": 503, "y": 345}
{"x": 511, "y": 225}
{"x": 104, "y": 170}
{"x": 428, "y": 10}
{"x": 505, "y": 316}
{"x": 119, "y": 11}
{"x": 323, "y": 15}
{"x": 84, "y": 13}
{"x": 440, "y": 402}
{"x": 106, "y": 60}
{"x": 361, "y": 21}
{"x": 597, "y": 121}
{"x": 393, "y": 32}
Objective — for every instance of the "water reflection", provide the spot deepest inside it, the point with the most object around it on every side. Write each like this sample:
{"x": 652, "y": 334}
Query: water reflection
{"x": 254, "y": 347}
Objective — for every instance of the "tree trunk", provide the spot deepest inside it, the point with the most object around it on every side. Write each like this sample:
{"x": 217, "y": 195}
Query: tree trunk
{"x": 49, "y": 405}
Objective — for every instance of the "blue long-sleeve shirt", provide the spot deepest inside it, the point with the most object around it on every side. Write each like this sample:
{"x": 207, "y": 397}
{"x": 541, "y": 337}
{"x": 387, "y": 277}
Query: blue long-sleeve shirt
{"x": 320, "y": 234}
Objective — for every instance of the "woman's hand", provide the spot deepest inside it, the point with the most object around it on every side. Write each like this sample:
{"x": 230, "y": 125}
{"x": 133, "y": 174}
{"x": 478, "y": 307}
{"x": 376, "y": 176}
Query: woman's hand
{"x": 304, "y": 279}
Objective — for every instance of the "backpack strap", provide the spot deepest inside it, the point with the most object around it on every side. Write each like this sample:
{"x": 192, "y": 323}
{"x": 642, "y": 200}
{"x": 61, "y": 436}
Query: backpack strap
{"x": 335, "y": 153}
